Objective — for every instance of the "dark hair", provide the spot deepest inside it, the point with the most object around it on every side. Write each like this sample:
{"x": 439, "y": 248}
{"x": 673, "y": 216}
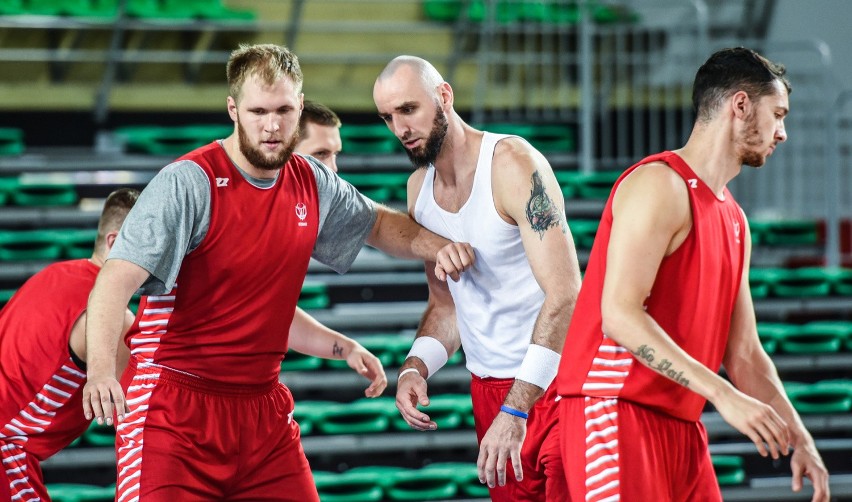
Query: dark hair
{"x": 316, "y": 113}
{"x": 269, "y": 62}
{"x": 116, "y": 207}
{"x": 731, "y": 70}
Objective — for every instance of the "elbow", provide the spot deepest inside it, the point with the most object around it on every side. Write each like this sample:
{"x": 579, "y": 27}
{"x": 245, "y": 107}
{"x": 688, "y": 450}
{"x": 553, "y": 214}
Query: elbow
{"x": 613, "y": 322}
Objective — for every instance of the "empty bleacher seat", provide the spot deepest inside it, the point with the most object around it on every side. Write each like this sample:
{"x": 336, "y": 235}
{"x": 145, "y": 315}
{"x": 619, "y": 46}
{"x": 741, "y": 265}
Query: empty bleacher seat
{"x": 5, "y": 296}
{"x": 815, "y": 337}
{"x": 465, "y": 476}
{"x": 296, "y": 361}
{"x": 77, "y": 492}
{"x": 368, "y": 138}
{"x": 11, "y": 138}
{"x": 359, "y": 417}
{"x": 420, "y": 484}
{"x": 99, "y": 435}
{"x": 584, "y": 232}
{"x": 801, "y": 282}
{"x": 730, "y": 469}
{"x": 29, "y": 245}
{"x": 77, "y": 243}
{"x": 314, "y": 295}
{"x": 596, "y": 185}
{"x": 824, "y": 397}
{"x": 307, "y": 413}
{"x": 784, "y": 232}
{"x": 761, "y": 281}
{"x": 170, "y": 140}
{"x": 547, "y": 138}
{"x": 771, "y": 333}
{"x": 448, "y": 411}
{"x": 43, "y": 194}
{"x": 381, "y": 187}
{"x": 349, "y": 486}
{"x": 842, "y": 282}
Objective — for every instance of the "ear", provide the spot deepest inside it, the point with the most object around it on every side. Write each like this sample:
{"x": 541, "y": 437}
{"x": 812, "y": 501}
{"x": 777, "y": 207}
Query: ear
{"x": 740, "y": 104}
{"x": 232, "y": 109}
{"x": 445, "y": 91}
{"x": 109, "y": 238}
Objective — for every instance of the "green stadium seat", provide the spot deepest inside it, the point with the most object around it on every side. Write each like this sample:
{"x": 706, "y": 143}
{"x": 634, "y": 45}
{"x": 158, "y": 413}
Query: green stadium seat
{"x": 77, "y": 243}
{"x": 307, "y": 412}
{"x": 5, "y": 296}
{"x": 730, "y": 469}
{"x": 133, "y": 305}
{"x": 447, "y": 410}
{"x": 381, "y": 187}
{"x": 12, "y": 8}
{"x": 815, "y": 337}
{"x": 46, "y": 7}
{"x": 841, "y": 283}
{"x": 421, "y": 484}
{"x": 785, "y": 233}
{"x": 74, "y": 492}
{"x": 761, "y": 281}
{"x": 801, "y": 282}
{"x": 314, "y": 295}
{"x": 44, "y": 194}
{"x": 296, "y": 361}
{"x": 348, "y": 486}
{"x": 90, "y": 8}
{"x": 771, "y": 333}
{"x": 596, "y": 185}
{"x": 583, "y": 232}
{"x": 170, "y": 140}
{"x": 363, "y": 416}
{"x": 568, "y": 182}
{"x": 155, "y": 9}
{"x": 368, "y": 138}
{"x": 465, "y": 475}
{"x": 8, "y": 184}
{"x": 29, "y": 245}
{"x": 208, "y": 9}
{"x": 547, "y": 138}
{"x": 828, "y": 397}
{"x": 99, "y": 435}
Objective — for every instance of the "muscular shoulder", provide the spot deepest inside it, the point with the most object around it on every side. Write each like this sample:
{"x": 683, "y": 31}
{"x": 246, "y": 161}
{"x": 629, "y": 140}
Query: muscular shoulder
{"x": 655, "y": 188}
{"x": 515, "y": 157}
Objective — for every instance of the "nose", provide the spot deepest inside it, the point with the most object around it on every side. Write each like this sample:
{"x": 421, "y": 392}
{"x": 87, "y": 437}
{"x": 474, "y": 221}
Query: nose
{"x": 399, "y": 127}
{"x": 272, "y": 125}
{"x": 332, "y": 163}
{"x": 781, "y": 134}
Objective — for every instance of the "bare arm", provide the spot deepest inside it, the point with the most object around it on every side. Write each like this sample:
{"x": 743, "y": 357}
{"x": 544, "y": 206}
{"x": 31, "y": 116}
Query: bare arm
{"x": 752, "y": 371}
{"x": 527, "y": 194}
{"x": 78, "y": 341}
{"x": 116, "y": 283}
{"x": 309, "y": 336}
{"x": 399, "y": 235}
{"x": 651, "y": 218}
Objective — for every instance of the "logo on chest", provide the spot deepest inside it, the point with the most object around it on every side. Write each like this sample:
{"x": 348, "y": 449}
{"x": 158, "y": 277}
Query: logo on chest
{"x": 302, "y": 213}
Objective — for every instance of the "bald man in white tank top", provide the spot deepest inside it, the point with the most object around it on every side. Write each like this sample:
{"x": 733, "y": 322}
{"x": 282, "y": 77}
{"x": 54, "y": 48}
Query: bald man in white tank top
{"x": 510, "y": 311}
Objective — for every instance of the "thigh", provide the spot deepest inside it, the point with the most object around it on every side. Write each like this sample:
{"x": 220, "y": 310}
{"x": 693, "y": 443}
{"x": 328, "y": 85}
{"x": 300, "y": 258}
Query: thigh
{"x": 273, "y": 465}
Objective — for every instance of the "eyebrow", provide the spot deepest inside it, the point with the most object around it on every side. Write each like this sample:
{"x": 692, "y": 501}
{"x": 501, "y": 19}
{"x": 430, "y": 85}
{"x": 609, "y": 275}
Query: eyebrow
{"x": 407, "y": 104}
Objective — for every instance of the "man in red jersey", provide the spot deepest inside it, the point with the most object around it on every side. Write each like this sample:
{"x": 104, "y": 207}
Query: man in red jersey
{"x": 665, "y": 301}
{"x": 42, "y": 359}
{"x": 220, "y": 243}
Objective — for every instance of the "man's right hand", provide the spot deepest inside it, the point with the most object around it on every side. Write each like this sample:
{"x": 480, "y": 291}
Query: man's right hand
{"x": 453, "y": 259}
{"x": 759, "y": 421}
{"x": 411, "y": 390}
{"x": 103, "y": 397}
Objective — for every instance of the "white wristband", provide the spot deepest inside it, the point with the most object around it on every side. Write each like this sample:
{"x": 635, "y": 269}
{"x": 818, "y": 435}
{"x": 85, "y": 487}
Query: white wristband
{"x": 431, "y": 352}
{"x": 407, "y": 370}
{"x": 539, "y": 366}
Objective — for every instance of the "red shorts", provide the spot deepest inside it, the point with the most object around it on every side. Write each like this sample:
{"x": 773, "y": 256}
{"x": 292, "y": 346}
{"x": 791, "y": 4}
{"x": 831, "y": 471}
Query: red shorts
{"x": 540, "y": 455}
{"x": 5, "y": 495}
{"x": 617, "y": 450}
{"x": 186, "y": 438}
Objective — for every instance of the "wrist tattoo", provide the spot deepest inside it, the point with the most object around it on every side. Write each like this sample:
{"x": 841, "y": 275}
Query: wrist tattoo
{"x": 337, "y": 350}
{"x": 663, "y": 366}
{"x": 541, "y": 211}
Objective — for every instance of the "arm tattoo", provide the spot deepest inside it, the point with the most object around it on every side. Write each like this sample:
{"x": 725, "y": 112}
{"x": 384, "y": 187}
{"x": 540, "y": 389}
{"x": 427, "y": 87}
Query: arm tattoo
{"x": 542, "y": 213}
{"x": 664, "y": 366}
{"x": 337, "y": 350}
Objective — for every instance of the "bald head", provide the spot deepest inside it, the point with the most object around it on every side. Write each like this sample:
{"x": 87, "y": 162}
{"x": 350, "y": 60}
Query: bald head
{"x": 415, "y": 68}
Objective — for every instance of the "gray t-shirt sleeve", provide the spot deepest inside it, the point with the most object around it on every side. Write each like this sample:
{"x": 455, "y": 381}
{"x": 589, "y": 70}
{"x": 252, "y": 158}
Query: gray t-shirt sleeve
{"x": 169, "y": 220}
{"x": 346, "y": 219}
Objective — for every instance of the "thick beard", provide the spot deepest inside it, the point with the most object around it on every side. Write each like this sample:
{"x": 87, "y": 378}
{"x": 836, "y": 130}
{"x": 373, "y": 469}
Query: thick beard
{"x": 257, "y": 158}
{"x": 749, "y": 140}
{"x": 427, "y": 154}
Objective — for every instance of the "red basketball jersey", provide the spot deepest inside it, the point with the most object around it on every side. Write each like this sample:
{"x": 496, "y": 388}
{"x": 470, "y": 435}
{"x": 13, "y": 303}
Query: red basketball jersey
{"x": 692, "y": 299}
{"x": 40, "y": 388}
{"x": 228, "y": 317}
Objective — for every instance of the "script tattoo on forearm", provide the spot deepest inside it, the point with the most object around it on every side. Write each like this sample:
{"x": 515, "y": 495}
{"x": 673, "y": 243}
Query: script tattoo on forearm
{"x": 337, "y": 350}
{"x": 664, "y": 366}
{"x": 542, "y": 213}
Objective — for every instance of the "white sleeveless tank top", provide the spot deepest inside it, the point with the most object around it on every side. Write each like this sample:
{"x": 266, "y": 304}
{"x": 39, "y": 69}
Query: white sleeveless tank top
{"x": 498, "y": 300}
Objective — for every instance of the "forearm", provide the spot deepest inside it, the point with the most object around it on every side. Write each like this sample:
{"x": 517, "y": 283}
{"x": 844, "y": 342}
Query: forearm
{"x": 399, "y": 235}
{"x": 637, "y": 332}
{"x": 440, "y": 324}
{"x": 549, "y": 332}
{"x": 308, "y": 336}
{"x": 106, "y": 318}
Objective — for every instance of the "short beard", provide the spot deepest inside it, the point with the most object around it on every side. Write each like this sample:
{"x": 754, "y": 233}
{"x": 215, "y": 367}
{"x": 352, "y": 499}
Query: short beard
{"x": 427, "y": 154}
{"x": 751, "y": 138}
{"x": 256, "y": 157}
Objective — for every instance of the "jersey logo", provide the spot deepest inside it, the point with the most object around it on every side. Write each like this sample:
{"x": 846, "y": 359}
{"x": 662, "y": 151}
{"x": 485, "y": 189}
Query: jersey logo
{"x": 693, "y": 183}
{"x": 222, "y": 182}
{"x": 737, "y": 232}
{"x": 302, "y": 213}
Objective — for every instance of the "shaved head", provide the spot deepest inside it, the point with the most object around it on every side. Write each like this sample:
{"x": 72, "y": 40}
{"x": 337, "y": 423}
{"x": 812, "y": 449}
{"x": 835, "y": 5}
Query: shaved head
{"x": 426, "y": 74}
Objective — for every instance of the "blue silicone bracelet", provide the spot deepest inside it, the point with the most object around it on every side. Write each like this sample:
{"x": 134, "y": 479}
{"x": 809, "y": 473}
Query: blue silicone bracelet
{"x": 513, "y": 411}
